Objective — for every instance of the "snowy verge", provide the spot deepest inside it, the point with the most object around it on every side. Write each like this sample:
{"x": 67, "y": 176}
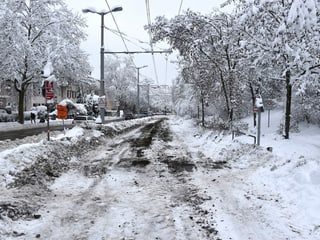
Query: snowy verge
{"x": 259, "y": 194}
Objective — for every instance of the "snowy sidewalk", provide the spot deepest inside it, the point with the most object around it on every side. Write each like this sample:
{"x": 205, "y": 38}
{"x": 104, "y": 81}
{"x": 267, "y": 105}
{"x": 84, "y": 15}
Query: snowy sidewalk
{"x": 8, "y": 126}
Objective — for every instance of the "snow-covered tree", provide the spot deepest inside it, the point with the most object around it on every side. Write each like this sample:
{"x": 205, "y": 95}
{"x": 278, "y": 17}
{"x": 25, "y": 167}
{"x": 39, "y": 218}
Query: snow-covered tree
{"x": 208, "y": 46}
{"x": 284, "y": 37}
{"x": 34, "y": 32}
{"x": 120, "y": 77}
{"x": 264, "y": 46}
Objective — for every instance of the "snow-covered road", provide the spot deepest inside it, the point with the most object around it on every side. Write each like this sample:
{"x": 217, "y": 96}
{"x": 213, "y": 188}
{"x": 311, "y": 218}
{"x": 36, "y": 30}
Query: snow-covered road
{"x": 122, "y": 187}
{"x": 153, "y": 178}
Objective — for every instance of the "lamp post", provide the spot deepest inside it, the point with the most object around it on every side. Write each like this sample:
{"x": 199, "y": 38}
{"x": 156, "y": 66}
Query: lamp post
{"x": 102, "y": 93}
{"x": 138, "y": 88}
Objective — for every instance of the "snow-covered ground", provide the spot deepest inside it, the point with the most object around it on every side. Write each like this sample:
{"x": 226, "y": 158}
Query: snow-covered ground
{"x": 264, "y": 195}
{"x": 243, "y": 191}
{"x": 7, "y": 126}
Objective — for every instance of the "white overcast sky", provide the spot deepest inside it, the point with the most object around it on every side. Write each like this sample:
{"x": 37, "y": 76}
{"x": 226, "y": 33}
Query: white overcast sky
{"x": 131, "y": 21}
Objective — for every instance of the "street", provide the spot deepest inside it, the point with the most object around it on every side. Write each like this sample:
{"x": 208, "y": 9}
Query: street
{"x": 14, "y": 130}
{"x": 159, "y": 120}
{"x": 119, "y": 188}
{"x": 21, "y": 133}
{"x": 156, "y": 178}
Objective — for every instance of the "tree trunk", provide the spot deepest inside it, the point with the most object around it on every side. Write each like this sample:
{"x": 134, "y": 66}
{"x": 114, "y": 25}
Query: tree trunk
{"x": 202, "y": 111}
{"x": 231, "y": 97}
{"x": 288, "y": 105}
{"x": 231, "y": 115}
{"x": 253, "y": 104}
{"x": 224, "y": 89}
{"x": 198, "y": 111}
{"x": 21, "y": 106}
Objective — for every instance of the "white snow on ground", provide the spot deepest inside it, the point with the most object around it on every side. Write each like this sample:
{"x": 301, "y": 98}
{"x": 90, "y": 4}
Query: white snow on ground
{"x": 264, "y": 195}
{"x": 259, "y": 195}
{"x": 5, "y": 126}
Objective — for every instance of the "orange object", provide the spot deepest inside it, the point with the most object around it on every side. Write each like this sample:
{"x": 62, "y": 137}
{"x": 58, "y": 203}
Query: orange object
{"x": 62, "y": 112}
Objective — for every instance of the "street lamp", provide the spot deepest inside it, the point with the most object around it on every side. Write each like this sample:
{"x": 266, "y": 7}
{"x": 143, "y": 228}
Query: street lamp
{"x": 138, "y": 88}
{"x": 102, "y": 94}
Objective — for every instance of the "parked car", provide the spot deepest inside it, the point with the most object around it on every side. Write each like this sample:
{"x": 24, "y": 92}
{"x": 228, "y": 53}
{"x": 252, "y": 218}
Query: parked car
{"x": 84, "y": 119}
{"x": 128, "y": 115}
{"x": 53, "y": 115}
{"x": 13, "y": 116}
{"x": 5, "y": 116}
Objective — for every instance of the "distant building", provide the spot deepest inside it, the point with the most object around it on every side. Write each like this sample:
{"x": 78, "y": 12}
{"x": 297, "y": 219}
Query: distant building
{"x": 8, "y": 98}
{"x": 34, "y": 97}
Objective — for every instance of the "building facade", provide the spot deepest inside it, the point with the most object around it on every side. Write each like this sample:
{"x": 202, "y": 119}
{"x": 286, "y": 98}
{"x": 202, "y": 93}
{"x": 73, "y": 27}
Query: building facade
{"x": 9, "y": 97}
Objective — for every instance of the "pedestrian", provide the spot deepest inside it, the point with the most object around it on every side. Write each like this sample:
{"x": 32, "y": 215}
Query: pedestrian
{"x": 33, "y": 117}
{"x": 42, "y": 117}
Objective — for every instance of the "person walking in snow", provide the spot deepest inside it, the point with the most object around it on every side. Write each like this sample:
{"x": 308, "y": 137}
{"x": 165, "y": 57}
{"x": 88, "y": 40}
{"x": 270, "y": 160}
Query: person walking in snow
{"x": 33, "y": 117}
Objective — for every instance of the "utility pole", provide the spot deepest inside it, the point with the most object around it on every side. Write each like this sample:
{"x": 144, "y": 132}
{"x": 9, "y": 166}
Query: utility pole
{"x": 138, "y": 87}
{"x": 49, "y": 79}
{"x": 259, "y": 126}
{"x": 148, "y": 98}
{"x": 259, "y": 105}
{"x": 102, "y": 93}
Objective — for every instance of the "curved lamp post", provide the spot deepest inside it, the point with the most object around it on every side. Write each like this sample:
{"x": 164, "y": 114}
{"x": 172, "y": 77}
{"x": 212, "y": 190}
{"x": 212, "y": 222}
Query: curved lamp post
{"x": 102, "y": 93}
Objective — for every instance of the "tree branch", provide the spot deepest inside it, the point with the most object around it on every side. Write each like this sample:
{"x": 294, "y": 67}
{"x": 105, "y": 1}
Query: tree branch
{"x": 310, "y": 68}
{"x": 41, "y": 32}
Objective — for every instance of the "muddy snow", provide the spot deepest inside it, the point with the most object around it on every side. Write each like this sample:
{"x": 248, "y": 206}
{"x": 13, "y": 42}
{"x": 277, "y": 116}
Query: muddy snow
{"x": 155, "y": 178}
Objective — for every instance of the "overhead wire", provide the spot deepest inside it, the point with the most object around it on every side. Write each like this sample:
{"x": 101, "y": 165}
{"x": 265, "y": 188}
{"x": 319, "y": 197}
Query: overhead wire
{"x": 128, "y": 39}
{"x": 181, "y": 2}
{"x": 115, "y": 22}
{"x": 150, "y": 39}
{"x": 121, "y": 34}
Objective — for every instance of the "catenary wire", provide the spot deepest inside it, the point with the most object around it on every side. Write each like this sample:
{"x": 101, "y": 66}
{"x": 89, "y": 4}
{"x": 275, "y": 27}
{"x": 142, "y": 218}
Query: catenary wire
{"x": 127, "y": 38}
{"x": 130, "y": 39}
{"x": 181, "y": 2}
{"x": 150, "y": 39}
{"x": 115, "y": 22}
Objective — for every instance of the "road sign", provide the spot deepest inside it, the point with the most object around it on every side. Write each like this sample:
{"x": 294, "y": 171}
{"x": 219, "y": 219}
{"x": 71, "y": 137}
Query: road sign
{"x": 49, "y": 90}
{"x": 102, "y": 102}
{"x": 268, "y": 104}
{"x": 62, "y": 112}
{"x": 258, "y": 101}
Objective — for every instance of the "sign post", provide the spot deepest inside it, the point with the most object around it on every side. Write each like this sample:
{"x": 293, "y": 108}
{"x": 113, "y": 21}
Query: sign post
{"x": 268, "y": 106}
{"x": 259, "y": 127}
{"x": 102, "y": 102}
{"x": 49, "y": 90}
{"x": 49, "y": 79}
{"x": 259, "y": 105}
{"x": 62, "y": 114}
{"x": 102, "y": 106}
{"x": 49, "y": 96}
